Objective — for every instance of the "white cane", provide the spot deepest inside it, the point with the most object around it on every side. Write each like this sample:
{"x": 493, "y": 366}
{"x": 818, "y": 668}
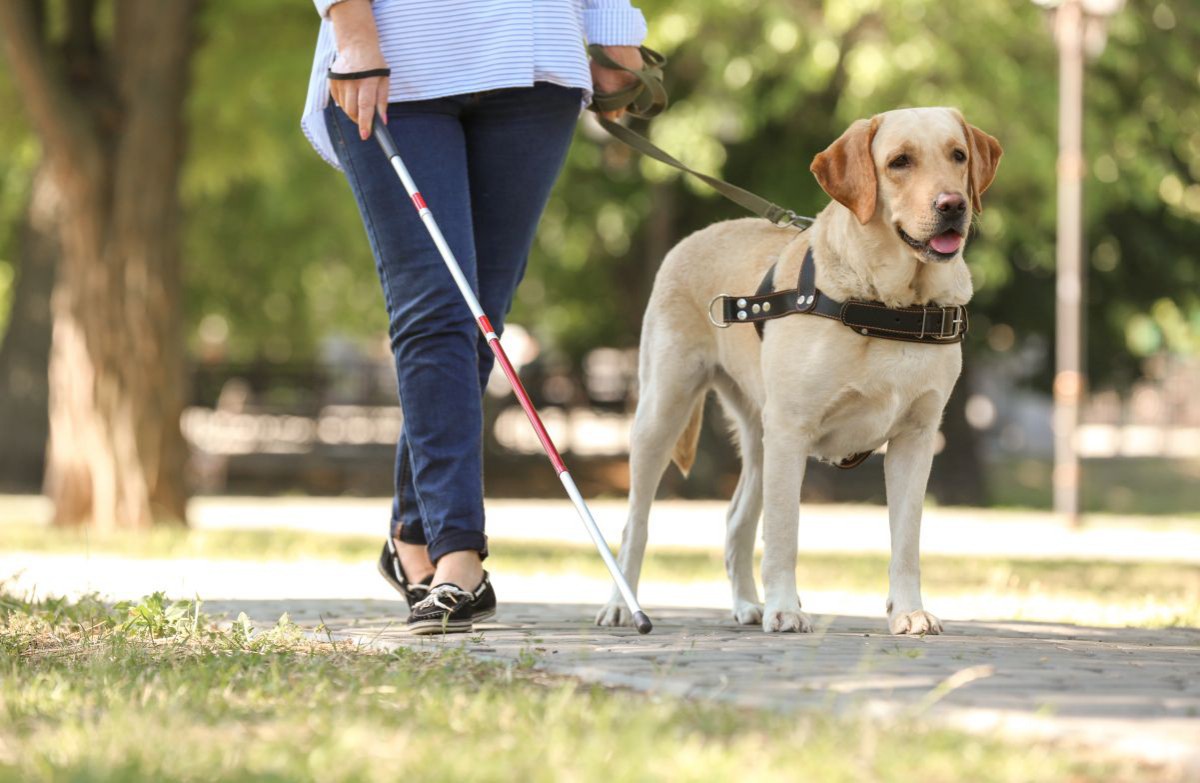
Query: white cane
{"x": 641, "y": 621}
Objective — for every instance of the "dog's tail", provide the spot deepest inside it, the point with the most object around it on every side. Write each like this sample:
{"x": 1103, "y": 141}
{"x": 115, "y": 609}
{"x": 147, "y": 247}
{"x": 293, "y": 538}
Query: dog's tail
{"x": 685, "y": 448}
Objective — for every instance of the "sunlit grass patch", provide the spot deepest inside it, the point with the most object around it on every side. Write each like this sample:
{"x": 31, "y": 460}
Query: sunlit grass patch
{"x": 156, "y": 691}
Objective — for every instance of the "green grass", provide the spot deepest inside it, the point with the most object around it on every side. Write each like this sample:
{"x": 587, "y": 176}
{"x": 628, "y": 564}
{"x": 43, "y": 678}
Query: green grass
{"x": 1157, "y": 593}
{"x": 154, "y": 691}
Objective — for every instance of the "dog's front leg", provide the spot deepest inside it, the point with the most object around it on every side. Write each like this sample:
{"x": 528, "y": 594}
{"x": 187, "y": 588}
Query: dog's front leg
{"x": 906, "y": 472}
{"x": 784, "y": 455}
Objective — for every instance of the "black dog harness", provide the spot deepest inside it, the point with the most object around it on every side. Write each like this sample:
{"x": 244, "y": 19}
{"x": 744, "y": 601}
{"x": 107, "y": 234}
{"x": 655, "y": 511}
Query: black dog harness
{"x": 931, "y": 324}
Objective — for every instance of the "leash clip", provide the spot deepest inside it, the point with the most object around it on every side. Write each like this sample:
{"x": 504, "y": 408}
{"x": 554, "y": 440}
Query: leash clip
{"x": 714, "y": 321}
{"x": 790, "y": 218}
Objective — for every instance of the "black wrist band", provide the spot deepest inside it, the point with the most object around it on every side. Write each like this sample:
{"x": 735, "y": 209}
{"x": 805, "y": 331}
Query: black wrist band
{"x": 359, "y": 74}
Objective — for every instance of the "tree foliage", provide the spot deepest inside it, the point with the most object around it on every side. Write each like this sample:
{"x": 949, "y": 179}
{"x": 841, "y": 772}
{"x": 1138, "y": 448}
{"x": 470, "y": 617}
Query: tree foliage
{"x": 759, "y": 87}
{"x": 275, "y": 255}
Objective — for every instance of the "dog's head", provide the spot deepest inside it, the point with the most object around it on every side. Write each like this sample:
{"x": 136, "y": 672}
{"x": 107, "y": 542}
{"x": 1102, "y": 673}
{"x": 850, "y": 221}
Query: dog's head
{"x": 919, "y": 172}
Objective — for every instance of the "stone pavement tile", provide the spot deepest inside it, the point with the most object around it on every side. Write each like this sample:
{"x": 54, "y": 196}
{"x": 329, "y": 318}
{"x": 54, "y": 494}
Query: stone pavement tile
{"x": 1125, "y": 691}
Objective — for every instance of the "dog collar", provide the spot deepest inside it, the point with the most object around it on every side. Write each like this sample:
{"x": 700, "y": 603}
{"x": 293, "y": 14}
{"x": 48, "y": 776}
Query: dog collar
{"x": 931, "y": 324}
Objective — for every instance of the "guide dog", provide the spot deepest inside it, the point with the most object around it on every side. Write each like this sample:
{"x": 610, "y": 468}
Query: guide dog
{"x": 904, "y": 186}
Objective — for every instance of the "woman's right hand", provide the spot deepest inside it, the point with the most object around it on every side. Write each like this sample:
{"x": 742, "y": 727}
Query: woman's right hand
{"x": 358, "y": 50}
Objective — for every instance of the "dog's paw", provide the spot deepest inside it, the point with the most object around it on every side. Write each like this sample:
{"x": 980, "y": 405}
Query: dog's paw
{"x": 747, "y": 613}
{"x": 916, "y": 623}
{"x": 614, "y": 615}
{"x": 786, "y": 621}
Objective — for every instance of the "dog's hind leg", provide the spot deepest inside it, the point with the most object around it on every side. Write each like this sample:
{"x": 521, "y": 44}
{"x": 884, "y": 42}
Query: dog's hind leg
{"x": 741, "y": 522}
{"x": 669, "y": 395}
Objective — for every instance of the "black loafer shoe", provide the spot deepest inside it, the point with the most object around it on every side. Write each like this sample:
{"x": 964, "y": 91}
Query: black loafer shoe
{"x": 483, "y": 601}
{"x": 450, "y": 609}
{"x": 389, "y": 568}
{"x": 447, "y": 609}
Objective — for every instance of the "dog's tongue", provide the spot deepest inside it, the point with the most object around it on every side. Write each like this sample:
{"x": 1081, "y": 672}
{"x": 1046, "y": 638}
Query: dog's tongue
{"x": 947, "y": 242}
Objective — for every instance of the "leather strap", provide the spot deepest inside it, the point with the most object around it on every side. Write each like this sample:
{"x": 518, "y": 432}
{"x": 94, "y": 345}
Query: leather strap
{"x": 353, "y": 75}
{"x": 931, "y": 324}
{"x": 765, "y": 289}
{"x": 854, "y": 460}
{"x": 913, "y": 324}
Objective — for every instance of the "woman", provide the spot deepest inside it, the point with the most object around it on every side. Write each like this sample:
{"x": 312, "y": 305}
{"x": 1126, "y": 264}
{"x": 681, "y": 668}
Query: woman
{"x": 481, "y": 98}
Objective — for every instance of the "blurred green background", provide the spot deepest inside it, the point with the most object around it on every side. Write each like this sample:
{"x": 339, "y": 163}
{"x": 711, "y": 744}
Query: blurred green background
{"x": 282, "y": 315}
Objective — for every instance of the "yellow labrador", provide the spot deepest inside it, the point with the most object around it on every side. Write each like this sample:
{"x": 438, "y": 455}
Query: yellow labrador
{"x": 903, "y": 186}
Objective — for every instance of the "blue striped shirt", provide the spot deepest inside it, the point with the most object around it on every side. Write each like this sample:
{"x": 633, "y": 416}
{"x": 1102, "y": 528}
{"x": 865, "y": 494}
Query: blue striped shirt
{"x": 437, "y": 48}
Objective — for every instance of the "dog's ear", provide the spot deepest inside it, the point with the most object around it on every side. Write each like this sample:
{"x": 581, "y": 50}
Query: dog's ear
{"x": 983, "y": 158}
{"x": 846, "y": 169}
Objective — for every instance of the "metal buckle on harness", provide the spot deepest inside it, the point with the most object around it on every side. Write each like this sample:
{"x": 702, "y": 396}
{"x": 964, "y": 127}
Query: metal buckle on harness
{"x": 714, "y": 321}
{"x": 955, "y": 324}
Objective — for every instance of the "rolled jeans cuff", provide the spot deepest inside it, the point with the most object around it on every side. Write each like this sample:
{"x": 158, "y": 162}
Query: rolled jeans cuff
{"x": 409, "y": 534}
{"x": 458, "y": 541}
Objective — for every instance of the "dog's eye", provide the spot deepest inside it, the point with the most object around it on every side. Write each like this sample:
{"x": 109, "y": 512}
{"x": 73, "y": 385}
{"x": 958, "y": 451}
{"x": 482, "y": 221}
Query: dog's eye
{"x": 960, "y": 156}
{"x": 899, "y": 162}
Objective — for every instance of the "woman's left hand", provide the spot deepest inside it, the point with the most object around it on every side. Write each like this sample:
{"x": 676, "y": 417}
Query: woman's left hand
{"x": 611, "y": 79}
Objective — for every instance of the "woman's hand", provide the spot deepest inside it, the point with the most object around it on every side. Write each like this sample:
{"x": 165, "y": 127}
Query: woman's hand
{"x": 611, "y": 79}
{"x": 358, "y": 50}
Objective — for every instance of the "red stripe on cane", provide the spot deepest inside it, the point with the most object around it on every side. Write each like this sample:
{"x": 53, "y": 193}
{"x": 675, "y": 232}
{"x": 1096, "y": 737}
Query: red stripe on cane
{"x": 485, "y": 325}
{"x": 418, "y": 201}
{"x": 526, "y": 404}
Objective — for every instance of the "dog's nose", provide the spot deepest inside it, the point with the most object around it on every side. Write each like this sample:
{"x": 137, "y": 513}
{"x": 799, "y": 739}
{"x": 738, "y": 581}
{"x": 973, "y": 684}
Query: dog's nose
{"x": 950, "y": 204}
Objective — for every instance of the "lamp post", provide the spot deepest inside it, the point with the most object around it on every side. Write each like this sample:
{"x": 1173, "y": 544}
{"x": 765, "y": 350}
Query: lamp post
{"x": 1079, "y": 30}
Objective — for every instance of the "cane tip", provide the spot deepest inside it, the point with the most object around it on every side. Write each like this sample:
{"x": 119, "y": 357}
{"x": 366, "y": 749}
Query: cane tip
{"x": 642, "y": 622}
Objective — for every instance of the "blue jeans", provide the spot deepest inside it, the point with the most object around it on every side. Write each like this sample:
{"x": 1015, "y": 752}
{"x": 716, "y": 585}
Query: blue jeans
{"x": 485, "y": 164}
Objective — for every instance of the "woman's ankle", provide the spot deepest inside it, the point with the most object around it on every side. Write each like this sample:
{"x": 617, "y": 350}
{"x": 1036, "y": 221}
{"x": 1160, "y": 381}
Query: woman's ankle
{"x": 463, "y": 568}
{"x": 414, "y": 559}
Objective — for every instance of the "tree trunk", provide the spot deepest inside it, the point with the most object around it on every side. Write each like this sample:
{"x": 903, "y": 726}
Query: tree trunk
{"x": 26, "y": 348}
{"x": 111, "y": 127}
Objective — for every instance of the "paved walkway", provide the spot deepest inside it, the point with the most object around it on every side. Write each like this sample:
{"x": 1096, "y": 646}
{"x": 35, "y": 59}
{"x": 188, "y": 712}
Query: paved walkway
{"x": 1131, "y": 693}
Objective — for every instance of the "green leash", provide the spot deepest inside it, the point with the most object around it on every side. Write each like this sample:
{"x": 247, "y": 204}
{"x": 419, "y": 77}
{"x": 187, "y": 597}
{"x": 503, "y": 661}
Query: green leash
{"x": 647, "y": 98}
{"x": 644, "y": 98}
